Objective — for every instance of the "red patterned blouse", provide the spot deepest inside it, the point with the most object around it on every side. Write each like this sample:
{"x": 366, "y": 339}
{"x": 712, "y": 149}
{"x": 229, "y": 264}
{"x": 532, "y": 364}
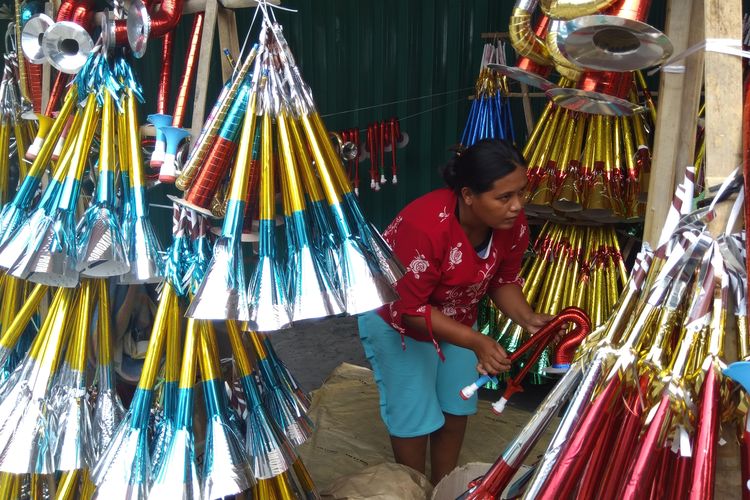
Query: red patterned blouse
{"x": 442, "y": 268}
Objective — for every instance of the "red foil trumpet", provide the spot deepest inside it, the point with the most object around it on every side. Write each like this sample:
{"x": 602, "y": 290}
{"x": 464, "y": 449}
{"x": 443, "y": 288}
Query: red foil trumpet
{"x": 189, "y": 72}
{"x": 141, "y": 26}
{"x": 540, "y": 340}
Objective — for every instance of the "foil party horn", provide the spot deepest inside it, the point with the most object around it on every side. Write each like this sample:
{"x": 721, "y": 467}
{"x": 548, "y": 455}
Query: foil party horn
{"x": 211, "y": 127}
{"x": 142, "y": 243}
{"x": 101, "y": 248}
{"x": 13, "y": 213}
{"x": 285, "y": 409}
{"x": 226, "y": 467}
{"x": 224, "y": 281}
{"x": 108, "y": 409}
{"x": 72, "y": 445}
{"x": 124, "y": 468}
{"x": 200, "y": 193}
{"x": 51, "y": 256}
{"x": 363, "y": 279}
{"x": 270, "y": 452}
{"x": 267, "y": 293}
{"x": 177, "y": 472}
{"x": 25, "y": 434}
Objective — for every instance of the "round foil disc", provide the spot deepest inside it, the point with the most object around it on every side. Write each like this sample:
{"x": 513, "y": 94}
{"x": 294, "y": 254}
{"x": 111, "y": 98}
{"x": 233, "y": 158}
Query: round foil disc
{"x": 32, "y": 35}
{"x": 67, "y": 46}
{"x": 522, "y": 76}
{"x": 611, "y": 43}
{"x": 594, "y": 103}
{"x": 139, "y": 27}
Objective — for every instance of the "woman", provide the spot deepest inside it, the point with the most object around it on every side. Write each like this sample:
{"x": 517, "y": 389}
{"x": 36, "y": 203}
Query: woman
{"x": 459, "y": 244}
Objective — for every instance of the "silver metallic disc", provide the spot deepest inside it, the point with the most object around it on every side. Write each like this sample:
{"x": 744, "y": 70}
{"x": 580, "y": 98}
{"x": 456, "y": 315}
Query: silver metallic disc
{"x": 594, "y": 103}
{"x": 611, "y": 43}
{"x": 523, "y": 76}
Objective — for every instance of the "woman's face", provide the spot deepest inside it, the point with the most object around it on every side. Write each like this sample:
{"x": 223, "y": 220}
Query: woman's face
{"x": 499, "y": 207}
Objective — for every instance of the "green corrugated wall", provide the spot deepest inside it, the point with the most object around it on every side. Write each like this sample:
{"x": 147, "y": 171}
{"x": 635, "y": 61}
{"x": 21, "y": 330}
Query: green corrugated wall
{"x": 359, "y": 54}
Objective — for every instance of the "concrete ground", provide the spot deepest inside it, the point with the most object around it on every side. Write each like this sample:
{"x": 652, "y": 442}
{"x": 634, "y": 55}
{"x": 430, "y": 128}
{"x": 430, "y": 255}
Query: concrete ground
{"x": 314, "y": 349}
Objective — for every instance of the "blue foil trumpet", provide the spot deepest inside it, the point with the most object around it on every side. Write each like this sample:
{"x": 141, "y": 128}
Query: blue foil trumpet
{"x": 173, "y": 136}
{"x": 159, "y": 121}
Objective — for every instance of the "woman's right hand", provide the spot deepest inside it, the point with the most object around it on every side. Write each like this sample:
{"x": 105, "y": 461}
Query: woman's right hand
{"x": 491, "y": 356}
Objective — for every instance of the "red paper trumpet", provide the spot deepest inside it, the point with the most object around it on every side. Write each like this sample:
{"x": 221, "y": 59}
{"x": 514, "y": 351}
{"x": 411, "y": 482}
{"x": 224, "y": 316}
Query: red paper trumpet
{"x": 561, "y": 361}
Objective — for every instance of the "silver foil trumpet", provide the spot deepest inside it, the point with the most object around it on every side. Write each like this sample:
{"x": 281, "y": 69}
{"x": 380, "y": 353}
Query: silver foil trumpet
{"x": 72, "y": 442}
{"x": 51, "y": 257}
{"x": 267, "y": 293}
{"x": 281, "y": 403}
{"x": 14, "y": 213}
{"x": 226, "y": 467}
{"x": 25, "y": 440}
{"x": 143, "y": 246}
{"x": 311, "y": 290}
{"x": 123, "y": 469}
{"x": 101, "y": 249}
{"x": 108, "y": 409}
{"x": 269, "y": 450}
{"x": 176, "y": 475}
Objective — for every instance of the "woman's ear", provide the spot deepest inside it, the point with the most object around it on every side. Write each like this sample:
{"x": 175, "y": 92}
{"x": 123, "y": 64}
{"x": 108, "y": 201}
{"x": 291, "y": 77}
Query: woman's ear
{"x": 467, "y": 195}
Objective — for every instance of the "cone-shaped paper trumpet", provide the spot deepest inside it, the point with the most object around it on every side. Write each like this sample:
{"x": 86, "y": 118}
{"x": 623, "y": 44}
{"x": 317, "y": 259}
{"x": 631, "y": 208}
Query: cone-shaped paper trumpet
{"x": 221, "y": 294}
{"x": 101, "y": 252}
{"x": 145, "y": 260}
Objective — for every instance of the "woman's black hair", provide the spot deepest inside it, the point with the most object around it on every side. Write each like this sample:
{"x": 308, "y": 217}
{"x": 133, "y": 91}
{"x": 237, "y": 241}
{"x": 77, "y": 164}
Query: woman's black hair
{"x": 480, "y": 165}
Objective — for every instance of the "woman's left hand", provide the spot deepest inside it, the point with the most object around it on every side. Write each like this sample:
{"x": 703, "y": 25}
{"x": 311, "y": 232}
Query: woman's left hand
{"x": 536, "y": 321}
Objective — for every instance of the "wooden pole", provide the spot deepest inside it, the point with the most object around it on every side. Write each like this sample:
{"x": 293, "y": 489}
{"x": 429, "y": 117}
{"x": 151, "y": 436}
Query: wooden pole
{"x": 673, "y": 110}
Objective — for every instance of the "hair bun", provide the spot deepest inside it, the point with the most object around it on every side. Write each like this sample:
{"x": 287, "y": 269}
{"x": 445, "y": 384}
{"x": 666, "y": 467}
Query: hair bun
{"x": 450, "y": 172}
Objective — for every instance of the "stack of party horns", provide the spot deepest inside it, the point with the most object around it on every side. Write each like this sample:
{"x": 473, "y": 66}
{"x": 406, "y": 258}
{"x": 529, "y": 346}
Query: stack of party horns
{"x": 15, "y": 131}
{"x": 335, "y": 260}
{"x": 257, "y": 453}
{"x": 43, "y": 243}
{"x": 592, "y": 168}
{"x": 489, "y": 116}
{"x": 571, "y": 266}
{"x": 646, "y": 394}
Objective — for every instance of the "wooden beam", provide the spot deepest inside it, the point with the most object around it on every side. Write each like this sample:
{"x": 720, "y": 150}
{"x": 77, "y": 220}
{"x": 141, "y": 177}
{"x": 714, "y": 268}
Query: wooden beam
{"x": 527, "y": 114}
{"x": 204, "y": 64}
{"x": 228, "y": 39}
{"x": 667, "y": 141}
{"x": 723, "y": 89}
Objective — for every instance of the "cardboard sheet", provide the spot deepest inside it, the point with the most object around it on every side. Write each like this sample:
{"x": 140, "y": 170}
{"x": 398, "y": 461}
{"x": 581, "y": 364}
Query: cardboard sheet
{"x": 350, "y": 437}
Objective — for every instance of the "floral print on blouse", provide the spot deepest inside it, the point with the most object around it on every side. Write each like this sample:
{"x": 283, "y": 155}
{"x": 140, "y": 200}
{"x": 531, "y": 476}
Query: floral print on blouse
{"x": 442, "y": 268}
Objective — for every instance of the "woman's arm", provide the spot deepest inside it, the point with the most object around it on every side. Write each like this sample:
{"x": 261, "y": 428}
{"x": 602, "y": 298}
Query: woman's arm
{"x": 492, "y": 357}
